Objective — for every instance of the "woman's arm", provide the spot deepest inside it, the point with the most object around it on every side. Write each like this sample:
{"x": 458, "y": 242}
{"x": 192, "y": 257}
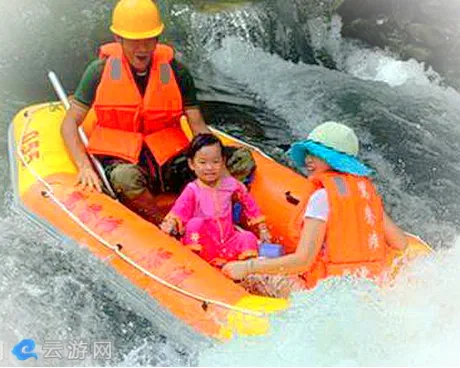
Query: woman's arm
{"x": 312, "y": 237}
{"x": 394, "y": 236}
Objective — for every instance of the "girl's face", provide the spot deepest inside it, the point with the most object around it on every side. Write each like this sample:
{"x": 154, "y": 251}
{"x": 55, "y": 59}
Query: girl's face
{"x": 315, "y": 165}
{"x": 208, "y": 164}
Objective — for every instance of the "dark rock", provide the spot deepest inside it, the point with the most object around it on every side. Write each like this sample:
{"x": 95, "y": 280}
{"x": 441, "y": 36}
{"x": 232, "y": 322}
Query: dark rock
{"x": 213, "y": 6}
{"x": 350, "y": 10}
{"x": 427, "y": 35}
{"x": 426, "y": 30}
{"x": 419, "y": 53}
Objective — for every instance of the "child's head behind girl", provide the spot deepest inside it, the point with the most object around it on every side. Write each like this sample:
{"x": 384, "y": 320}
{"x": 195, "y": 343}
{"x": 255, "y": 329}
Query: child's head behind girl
{"x": 206, "y": 158}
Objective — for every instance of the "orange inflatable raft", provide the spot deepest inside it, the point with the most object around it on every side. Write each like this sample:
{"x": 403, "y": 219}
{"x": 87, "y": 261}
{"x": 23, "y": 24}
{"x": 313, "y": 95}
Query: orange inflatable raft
{"x": 43, "y": 178}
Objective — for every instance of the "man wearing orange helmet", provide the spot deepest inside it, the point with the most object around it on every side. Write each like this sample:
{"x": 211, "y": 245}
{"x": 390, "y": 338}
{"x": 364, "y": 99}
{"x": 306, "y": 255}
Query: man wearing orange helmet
{"x": 139, "y": 93}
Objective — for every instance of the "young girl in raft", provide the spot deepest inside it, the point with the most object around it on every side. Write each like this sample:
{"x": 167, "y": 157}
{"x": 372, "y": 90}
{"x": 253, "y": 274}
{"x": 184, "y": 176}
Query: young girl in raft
{"x": 203, "y": 211}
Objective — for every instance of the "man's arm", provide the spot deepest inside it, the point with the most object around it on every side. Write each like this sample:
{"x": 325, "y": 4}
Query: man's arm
{"x": 69, "y": 130}
{"x": 87, "y": 177}
{"x": 196, "y": 121}
{"x": 189, "y": 95}
{"x": 79, "y": 107}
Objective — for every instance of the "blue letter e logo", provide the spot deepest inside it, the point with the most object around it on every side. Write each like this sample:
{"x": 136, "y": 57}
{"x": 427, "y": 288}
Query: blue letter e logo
{"x": 25, "y": 350}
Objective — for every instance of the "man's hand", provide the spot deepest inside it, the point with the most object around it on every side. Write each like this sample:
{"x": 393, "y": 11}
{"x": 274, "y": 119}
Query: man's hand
{"x": 240, "y": 162}
{"x": 88, "y": 179}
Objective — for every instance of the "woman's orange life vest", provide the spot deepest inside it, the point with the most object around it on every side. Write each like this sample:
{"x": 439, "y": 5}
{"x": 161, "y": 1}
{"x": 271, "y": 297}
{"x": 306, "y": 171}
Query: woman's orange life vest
{"x": 354, "y": 233}
{"x": 126, "y": 120}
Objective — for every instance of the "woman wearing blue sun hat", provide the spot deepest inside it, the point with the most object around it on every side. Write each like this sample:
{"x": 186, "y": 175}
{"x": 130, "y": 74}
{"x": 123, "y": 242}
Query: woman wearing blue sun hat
{"x": 344, "y": 227}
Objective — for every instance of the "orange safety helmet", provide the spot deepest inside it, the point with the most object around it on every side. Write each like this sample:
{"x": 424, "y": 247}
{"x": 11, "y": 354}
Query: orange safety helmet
{"x": 136, "y": 19}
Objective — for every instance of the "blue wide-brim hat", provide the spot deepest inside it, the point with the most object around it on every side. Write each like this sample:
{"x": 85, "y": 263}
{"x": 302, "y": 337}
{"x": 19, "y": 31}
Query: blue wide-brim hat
{"x": 324, "y": 142}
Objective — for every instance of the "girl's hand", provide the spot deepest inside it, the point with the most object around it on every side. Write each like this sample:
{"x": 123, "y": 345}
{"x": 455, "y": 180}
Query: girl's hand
{"x": 168, "y": 226}
{"x": 236, "y": 270}
{"x": 264, "y": 233}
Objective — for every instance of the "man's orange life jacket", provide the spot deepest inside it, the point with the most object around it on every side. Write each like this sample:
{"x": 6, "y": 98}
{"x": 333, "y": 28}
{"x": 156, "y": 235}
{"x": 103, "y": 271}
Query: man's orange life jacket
{"x": 354, "y": 234}
{"x": 126, "y": 120}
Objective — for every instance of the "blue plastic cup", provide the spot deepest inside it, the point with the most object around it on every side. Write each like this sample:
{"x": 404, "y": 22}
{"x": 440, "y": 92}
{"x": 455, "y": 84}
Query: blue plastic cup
{"x": 271, "y": 250}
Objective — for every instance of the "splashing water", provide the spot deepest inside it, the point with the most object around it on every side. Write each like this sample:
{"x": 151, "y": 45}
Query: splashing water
{"x": 52, "y": 290}
{"x": 399, "y": 138}
{"x": 405, "y": 117}
{"x": 352, "y": 322}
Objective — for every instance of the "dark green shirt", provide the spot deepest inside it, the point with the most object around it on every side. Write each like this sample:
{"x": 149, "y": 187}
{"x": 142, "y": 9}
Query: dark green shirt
{"x": 86, "y": 90}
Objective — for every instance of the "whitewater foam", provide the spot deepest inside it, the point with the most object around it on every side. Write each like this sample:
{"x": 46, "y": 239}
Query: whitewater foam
{"x": 352, "y": 322}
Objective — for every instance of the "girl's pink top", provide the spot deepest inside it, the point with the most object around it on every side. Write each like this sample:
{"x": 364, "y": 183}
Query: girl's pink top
{"x": 201, "y": 200}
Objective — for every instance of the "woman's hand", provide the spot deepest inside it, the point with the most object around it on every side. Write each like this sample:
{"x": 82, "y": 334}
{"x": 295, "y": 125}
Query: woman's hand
{"x": 236, "y": 270}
